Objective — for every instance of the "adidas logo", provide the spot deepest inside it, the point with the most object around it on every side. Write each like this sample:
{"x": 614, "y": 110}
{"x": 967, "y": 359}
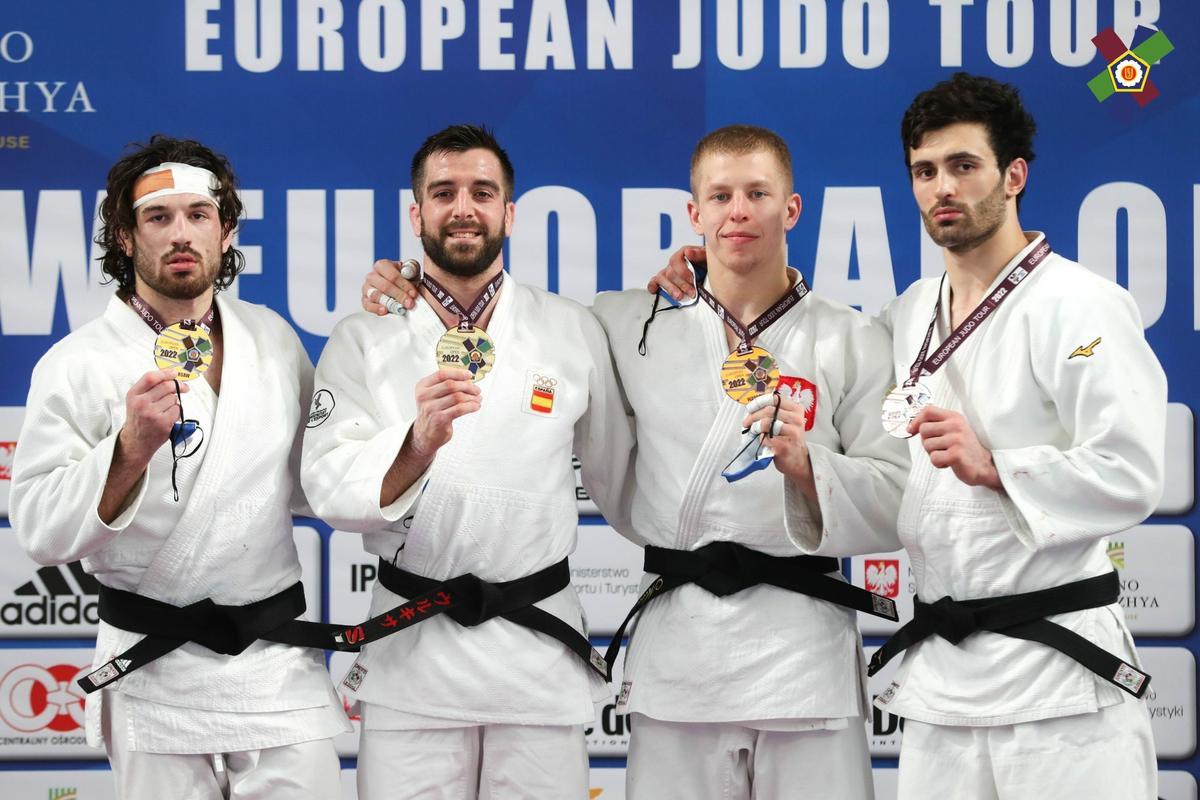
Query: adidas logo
{"x": 61, "y": 595}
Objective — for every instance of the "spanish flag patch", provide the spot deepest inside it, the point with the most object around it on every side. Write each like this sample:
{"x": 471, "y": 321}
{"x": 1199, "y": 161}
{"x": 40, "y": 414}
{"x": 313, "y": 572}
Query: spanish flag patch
{"x": 541, "y": 397}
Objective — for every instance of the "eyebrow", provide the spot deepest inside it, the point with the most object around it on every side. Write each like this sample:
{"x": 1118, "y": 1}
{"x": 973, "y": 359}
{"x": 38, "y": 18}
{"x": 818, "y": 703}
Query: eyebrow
{"x": 488, "y": 184}
{"x": 155, "y": 207}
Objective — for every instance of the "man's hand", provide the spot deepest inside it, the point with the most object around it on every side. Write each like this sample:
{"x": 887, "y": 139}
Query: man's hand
{"x": 442, "y": 398}
{"x": 385, "y": 278}
{"x": 950, "y": 442}
{"x": 150, "y": 411}
{"x": 676, "y": 279}
{"x": 785, "y": 437}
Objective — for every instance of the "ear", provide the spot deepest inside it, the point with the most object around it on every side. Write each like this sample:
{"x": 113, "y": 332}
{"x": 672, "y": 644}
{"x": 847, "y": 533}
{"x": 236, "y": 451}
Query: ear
{"x": 694, "y": 215}
{"x": 125, "y": 241}
{"x": 227, "y": 239}
{"x": 414, "y": 217}
{"x": 1015, "y": 177}
{"x": 510, "y": 210}
{"x": 794, "y": 204}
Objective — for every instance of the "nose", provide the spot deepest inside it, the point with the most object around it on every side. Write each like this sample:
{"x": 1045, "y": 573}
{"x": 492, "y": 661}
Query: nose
{"x": 946, "y": 185}
{"x": 462, "y": 204}
{"x": 180, "y": 231}
{"x": 738, "y": 206}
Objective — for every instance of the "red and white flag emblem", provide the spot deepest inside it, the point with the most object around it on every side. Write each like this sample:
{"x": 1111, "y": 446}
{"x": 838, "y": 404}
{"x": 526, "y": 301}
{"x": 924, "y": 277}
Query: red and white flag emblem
{"x": 804, "y": 394}
{"x": 882, "y": 576}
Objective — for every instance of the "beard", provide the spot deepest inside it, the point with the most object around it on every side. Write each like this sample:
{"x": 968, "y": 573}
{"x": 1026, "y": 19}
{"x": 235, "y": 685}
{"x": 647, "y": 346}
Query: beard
{"x": 176, "y": 287}
{"x": 976, "y": 225}
{"x": 462, "y": 259}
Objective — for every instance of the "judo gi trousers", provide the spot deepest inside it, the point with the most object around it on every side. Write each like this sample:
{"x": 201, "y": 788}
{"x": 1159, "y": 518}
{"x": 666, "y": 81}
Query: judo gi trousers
{"x": 488, "y": 762}
{"x": 726, "y": 761}
{"x": 302, "y": 771}
{"x": 1105, "y": 755}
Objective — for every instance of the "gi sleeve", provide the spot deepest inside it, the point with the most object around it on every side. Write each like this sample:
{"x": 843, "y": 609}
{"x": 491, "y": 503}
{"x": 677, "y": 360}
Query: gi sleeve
{"x": 304, "y": 371}
{"x": 1091, "y": 360}
{"x": 60, "y": 467}
{"x": 604, "y": 437}
{"x": 859, "y": 485}
{"x": 350, "y": 442}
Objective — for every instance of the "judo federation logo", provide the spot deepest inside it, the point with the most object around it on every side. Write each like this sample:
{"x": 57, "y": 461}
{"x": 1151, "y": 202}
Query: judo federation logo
{"x": 1128, "y": 70}
{"x": 354, "y": 677}
{"x": 882, "y": 576}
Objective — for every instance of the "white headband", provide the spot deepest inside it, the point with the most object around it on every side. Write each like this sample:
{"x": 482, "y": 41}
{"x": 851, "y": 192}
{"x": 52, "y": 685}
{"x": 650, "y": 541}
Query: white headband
{"x": 175, "y": 178}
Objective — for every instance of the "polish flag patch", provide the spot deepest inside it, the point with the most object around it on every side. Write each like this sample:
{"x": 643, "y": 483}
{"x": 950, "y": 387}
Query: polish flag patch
{"x": 804, "y": 394}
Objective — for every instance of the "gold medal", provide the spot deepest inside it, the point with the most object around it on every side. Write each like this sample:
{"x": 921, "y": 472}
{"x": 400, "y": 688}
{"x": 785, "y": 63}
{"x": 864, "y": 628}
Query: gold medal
{"x": 184, "y": 347}
{"x": 745, "y": 376}
{"x": 472, "y": 350}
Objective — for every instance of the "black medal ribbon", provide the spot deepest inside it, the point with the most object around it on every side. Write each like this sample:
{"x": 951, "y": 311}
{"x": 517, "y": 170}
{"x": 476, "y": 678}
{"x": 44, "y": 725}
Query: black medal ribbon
{"x": 927, "y": 366}
{"x": 724, "y": 568}
{"x": 1022, "y": 616}
{"x": 466, "y": 318}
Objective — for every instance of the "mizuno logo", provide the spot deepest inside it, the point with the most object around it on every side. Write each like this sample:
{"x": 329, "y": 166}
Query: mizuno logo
{"x": 1086, "y": 352}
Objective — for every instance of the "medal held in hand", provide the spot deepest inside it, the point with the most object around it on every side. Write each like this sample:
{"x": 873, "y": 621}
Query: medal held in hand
{"x": 471, "y": 349}
{"x": 746, "y": 375}
{"x": 468, "y": 346}
{"x": 901, "y": 407}
{"x": 184, "y": 347}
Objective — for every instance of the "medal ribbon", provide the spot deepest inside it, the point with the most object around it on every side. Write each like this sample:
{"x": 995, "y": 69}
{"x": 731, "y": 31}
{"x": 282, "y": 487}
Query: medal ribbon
{"x": 155, "y": 320}
{"x": 927, "y": 366}
{"x": 468, "y": 318}
{"x": 764, "y": 320}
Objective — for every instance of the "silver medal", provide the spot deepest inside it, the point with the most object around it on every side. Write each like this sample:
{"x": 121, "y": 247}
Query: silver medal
{"x": 901, "y": 407}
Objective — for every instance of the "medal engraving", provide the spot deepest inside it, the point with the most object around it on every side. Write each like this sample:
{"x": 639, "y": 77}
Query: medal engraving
{"x": 472, "y": 350}
{"x": 745, "y": 376}
{"x": 184, "y": 347}
{"x": 901, "y": 407}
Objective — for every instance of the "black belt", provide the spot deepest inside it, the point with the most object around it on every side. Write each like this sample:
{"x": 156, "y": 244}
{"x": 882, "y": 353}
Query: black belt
{"x": 222, "y": 629}
{"x": 470, "y": 601}
{"x": 1022, "y": 616}
{"x": 724, "y": 568}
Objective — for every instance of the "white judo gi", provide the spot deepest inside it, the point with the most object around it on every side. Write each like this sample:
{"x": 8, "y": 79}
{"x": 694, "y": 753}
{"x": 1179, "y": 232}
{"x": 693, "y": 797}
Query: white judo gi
{"x": 229, "y": 538}
{"x": 498, "y": 502}
{"x": 1061, "y": 386}
{"x": 764, "y": 660}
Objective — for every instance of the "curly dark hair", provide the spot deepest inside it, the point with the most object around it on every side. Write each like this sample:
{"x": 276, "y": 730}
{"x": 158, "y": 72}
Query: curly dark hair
{"x": 972, "y": 98}
{"x": 459, "y": 139}
{"x": 116, "y": 211}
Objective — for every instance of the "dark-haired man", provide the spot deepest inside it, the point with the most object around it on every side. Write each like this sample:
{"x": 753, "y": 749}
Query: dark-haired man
{"x": 160, "y": 445}
{"x": 449, "y": 446}
{"x": 1036, "y": 411}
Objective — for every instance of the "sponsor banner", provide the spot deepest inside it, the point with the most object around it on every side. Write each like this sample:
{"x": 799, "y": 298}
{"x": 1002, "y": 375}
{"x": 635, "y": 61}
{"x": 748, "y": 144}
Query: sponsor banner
{"x": 38, "y": 602}
{"x": 10, "y": 426}
{"x": 608, "y": 735}
{"x": 351, "y": 578}
{"x": 583, "y": 500}
{"x": 606, "y": 569}
{"x": 1157, "y": 567}
{"x": 308, "y": 547}
{"x": 41, "y": 706}
{"x": 885, "y": 783}
{"x": 1179, "y": 488}
{"x": 890, "y": 575}
{"x": 1174, "y": 784}
{"x": 54, "y": 784}
{"x": 1171, "y": 699}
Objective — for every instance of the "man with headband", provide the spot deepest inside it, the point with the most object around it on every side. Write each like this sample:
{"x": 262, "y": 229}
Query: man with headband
{"x": 448, "y": 444}
{"x": 1036, "y": 412}
{"x": 160, "y": 445}
{"x": 744, "y": 674}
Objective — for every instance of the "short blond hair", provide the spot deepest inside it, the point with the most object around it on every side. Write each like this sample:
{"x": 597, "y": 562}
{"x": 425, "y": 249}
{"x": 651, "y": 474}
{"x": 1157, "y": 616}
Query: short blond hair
{"x": 741, "y": 140}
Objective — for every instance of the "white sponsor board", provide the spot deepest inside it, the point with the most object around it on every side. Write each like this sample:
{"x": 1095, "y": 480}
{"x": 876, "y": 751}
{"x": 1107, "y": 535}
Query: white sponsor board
{"x": 53, "y": 784}
{"x": 1157, "y": 567}
{"x": 890, "y": 575}
{"x": 308, "y": 547}
{"x": 38, "y": 601}
{"x": 1179, "y": 488}
{"x": 1174, "y": 784}
{"x": 606, "y": 569}
{"x": 1171, "y": 699}
{"x": 41, "y": 706}
{"x": 583, "y": 502}
{"x": 10, "y": 425}
{"x": 351, "y": 578}
{"x": 608, "y": 735}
